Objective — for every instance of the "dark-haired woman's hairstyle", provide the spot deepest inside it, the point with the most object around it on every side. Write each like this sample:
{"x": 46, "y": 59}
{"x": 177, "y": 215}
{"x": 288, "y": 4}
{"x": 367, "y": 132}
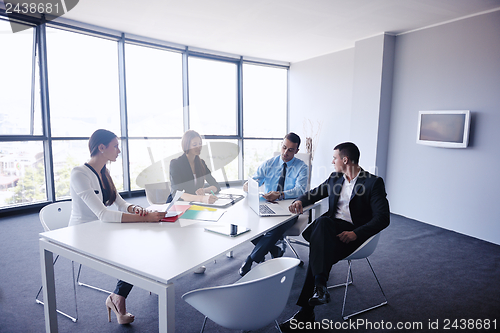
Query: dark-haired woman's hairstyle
{"x": 189, "y": 135}
{"x": 104, "y": 137}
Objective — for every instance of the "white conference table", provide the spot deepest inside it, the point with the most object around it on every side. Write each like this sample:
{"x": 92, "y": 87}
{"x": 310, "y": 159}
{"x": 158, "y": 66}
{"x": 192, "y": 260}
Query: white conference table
{"x": 148, "y": 255}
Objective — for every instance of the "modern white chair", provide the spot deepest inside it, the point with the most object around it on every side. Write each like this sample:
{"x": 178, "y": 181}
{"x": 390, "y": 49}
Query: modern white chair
{"x": 52, "y": 217}
{"x": 55, "y": 216}
{"x": 362, "y": 252}
{"x": 303, "y": 220}
{"x": 252, "y": 302}
{"x": 157, "y": 193}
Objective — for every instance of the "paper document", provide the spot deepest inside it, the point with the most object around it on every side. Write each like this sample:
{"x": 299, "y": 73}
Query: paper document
{"x": 203, "y": 213}
{"x": 223, "y": 201}
{"x": 174, "y": 200}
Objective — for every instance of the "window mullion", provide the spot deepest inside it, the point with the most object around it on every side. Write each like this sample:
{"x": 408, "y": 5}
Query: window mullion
{"x": 45, "y": 108}
{"x": 185, "y": 89}
{"x": 33, "y": 92}
{"x": 123, "y": 115}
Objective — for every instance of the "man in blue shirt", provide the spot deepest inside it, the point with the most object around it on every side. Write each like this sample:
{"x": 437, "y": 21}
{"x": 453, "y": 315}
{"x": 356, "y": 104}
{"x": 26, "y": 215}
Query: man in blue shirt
{"x": 284, "y": 177}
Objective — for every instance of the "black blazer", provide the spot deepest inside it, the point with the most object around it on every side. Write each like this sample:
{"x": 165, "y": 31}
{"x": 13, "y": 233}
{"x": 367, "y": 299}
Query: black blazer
{"x": 181, "y": 176}
{"x": 368, "y": 206}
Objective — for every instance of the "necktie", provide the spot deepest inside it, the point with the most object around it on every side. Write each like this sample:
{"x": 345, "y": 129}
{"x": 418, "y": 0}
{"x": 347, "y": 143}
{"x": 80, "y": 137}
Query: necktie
{"x": 281, "y": 181}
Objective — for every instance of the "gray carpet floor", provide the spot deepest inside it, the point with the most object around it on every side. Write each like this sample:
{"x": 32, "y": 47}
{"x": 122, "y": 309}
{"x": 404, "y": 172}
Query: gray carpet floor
{"x": 433, "y": 278}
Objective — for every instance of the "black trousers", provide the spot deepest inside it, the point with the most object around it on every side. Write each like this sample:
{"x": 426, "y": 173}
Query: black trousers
{"x": 325, "y": 250}
{"x": 265, "y": 242}
{"x": 122, "y": 288}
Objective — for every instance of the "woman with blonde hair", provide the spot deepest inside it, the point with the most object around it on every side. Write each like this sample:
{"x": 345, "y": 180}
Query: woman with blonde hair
{"x": 190, "y": 173}
{"x": 92, "y": 192}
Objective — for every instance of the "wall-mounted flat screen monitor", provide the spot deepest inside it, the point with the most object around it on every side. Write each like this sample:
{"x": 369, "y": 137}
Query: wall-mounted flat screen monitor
{"x": 449, "y": 129}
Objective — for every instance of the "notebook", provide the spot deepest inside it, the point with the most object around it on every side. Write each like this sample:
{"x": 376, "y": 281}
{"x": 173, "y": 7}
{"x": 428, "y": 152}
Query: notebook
{"x": 259, "y": 205}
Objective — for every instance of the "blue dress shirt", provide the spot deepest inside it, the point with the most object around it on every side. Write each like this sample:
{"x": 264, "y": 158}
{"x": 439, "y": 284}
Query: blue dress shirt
{"x": 269, "y": 173}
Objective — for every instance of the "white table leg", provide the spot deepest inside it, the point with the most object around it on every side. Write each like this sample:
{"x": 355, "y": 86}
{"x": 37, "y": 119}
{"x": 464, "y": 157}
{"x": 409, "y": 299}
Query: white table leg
{"x": 49, "y": 290}
{"x": 166, "y": 309}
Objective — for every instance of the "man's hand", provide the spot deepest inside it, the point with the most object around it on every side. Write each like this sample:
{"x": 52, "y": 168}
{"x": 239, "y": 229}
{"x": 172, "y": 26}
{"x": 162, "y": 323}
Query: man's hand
{"x": 296, "y": 207}
{"x": 347, "y": 236}
{"x": 200, "y": 191}
{"x": 245, "y": 187}
{"x": 272, "y": 196}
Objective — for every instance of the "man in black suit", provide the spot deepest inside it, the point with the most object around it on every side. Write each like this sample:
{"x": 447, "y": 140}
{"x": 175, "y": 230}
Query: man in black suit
{"x": 358, "y": 209}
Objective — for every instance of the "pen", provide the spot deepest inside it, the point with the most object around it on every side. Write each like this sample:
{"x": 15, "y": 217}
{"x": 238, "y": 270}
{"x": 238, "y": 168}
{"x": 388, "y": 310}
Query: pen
{"x": 212, "y": 192}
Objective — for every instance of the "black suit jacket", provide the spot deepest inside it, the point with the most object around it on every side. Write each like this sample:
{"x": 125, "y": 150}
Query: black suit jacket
{"x": 369, "y": 207}
{"x": 181, "y": 176}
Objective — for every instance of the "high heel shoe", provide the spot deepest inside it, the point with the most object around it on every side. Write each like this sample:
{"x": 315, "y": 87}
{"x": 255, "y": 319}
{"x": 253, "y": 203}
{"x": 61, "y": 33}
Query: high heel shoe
{"x": 126, "y": 318}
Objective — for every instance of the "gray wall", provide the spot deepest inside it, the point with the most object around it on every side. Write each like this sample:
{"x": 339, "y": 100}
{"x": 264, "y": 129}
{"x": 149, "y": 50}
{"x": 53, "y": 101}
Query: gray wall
{"x": 371, "y": 104}
{"x": 452, "y": 66}
{"x": 320, "y": 105}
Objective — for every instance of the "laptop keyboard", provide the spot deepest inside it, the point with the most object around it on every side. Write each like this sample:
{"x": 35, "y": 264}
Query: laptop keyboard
{"x": 265, "y": 210}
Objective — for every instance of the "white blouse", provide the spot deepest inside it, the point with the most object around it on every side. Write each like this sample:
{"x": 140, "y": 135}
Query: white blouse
{"x": 87, "y": 199}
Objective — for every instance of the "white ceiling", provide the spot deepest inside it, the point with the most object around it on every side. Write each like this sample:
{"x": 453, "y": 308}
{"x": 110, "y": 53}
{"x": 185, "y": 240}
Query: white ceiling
{"x": 282, "y": 30}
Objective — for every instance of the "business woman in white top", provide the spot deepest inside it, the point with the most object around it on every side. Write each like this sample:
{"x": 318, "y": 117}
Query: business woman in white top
{"x": 92, "y": 192}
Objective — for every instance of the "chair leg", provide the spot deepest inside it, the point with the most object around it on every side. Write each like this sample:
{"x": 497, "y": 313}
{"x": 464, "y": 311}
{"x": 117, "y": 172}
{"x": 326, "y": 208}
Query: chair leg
{"x": 277, "y": 326}
{"x": 367, "y": 309}
{"x": 88, "y": 285}
{"x": 287, "y": 242}
{"x": 74, "y": 289}
{"x": 203, "y": 326}
{"x": 349, "y": 273}
{"x": 74, "y": 319}
{"x": 298, "y": 241}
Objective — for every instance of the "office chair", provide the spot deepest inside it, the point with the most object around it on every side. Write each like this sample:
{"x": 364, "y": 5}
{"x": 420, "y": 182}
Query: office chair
{"x": 362, "y": 252}
{"x": 157, "y": 193}
{"x": 52, "y": 217}
{"x": 252, "y": 302}
{"x": 303, "y": 220}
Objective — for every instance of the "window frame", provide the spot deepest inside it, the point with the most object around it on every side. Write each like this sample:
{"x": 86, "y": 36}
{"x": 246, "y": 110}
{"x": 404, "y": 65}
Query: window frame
{"x": 40, "y": 55}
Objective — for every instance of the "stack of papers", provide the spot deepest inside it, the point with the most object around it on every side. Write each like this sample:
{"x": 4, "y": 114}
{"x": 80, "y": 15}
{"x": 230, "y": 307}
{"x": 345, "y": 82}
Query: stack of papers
{"x": 174, "y": 213}
{"x": 196, "y": 212}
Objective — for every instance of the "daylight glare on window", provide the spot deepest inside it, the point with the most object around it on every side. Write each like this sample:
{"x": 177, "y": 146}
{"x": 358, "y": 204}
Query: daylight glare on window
{"x": 213, "y": 102}
{"x": 154, "y": 92}
{"x": 60, "y": 83}
{"x": 264, "y": 102}
{"x": 83, "y": 84}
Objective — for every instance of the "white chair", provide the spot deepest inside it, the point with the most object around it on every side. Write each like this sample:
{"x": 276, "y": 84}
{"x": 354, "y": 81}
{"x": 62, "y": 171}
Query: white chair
{"x": 157, "y": 193}
{"x": 303, "y": 220}
{"x": 55, "y": 216}
{"x": 254, "y": 301}
{"x": 52, "y": 217}
{"x": 362, "y": 252}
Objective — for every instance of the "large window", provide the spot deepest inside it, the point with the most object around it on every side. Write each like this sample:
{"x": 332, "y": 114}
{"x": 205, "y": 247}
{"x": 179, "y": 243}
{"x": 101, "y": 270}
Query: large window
{"x": 264, "y": 113}
{"x": 22, "y": 170}
{"x": 213, "y": 97}
{"x": 149, "y": 153}
{"x": 83, "y": 84}
{"x": 19, "y": 110}
{"x": 83, "y": 89}
{"x": 148, "y": 100}
{"x": 22, "y": 173}
{"x": 154, "y": 92}
{"x": 265, "y": 101}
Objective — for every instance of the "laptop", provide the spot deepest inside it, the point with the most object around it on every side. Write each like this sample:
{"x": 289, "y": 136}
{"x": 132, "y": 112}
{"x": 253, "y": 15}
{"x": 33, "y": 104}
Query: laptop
{"x": 260, "y": 205}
